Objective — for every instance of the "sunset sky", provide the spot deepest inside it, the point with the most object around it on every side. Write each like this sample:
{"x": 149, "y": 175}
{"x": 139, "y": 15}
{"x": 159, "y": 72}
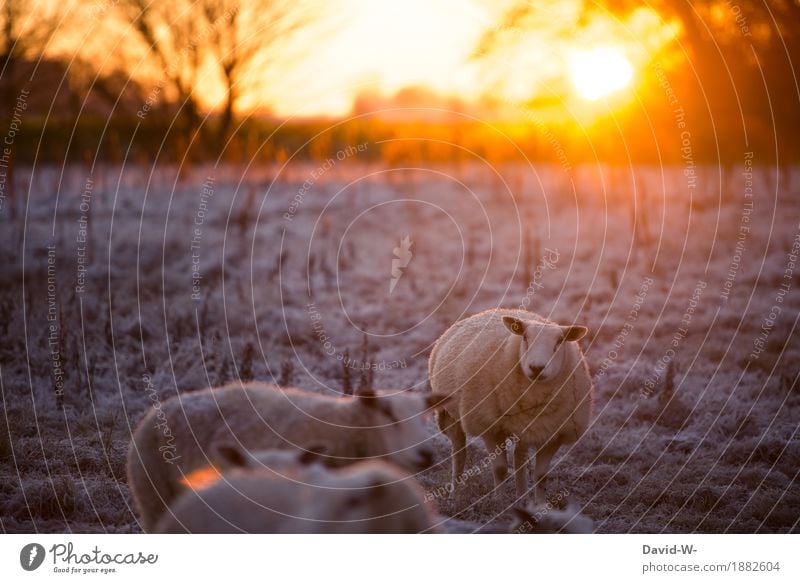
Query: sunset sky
{"x": 354, "y": 47}
{"x": 381, "y": 46}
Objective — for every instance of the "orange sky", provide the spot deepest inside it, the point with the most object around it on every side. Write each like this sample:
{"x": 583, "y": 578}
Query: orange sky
{"x": 382, "y": 46}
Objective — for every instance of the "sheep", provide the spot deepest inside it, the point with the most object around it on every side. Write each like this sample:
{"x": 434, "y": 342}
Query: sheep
{"x": 262, "y": 493}
{"x": 174, "y": 438}
{"x": 548, "y": 520}
{"x": 511, "y": 374}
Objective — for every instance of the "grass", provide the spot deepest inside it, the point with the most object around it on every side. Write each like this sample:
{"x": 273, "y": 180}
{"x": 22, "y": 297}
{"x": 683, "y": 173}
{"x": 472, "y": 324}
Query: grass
{"x": 706, "y": 443}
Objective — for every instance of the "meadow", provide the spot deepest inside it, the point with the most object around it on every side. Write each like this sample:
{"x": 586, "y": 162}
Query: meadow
{"x": 125, "y": 285}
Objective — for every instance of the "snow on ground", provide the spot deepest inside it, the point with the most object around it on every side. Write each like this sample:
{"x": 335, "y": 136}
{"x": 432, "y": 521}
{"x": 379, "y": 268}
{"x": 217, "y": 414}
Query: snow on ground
{"x": 692, "y": 316}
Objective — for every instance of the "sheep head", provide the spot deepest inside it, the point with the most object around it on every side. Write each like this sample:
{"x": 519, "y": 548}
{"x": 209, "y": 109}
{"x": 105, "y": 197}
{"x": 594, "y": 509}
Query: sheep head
{"x": 393, "y": 426}
{"x": 541, "y": 347}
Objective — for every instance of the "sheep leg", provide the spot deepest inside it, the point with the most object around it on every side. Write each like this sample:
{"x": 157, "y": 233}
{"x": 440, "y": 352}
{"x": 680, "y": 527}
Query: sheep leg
{"x": 543, "y": 456}
{"x": 458, "y": 442}
{"x": 521, "y": 468}
{"x": 495, "y": 443}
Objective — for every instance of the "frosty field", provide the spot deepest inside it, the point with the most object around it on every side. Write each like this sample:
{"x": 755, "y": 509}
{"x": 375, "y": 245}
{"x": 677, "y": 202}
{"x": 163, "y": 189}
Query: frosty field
{"x": 125, "y": 286}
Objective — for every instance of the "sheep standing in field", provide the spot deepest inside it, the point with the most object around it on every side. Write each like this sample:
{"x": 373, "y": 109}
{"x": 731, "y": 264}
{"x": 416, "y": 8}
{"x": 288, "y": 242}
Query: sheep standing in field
{"x": 174, "y": 439}
{"x": 265, "y": 494}
{"x": 512, "y": 374}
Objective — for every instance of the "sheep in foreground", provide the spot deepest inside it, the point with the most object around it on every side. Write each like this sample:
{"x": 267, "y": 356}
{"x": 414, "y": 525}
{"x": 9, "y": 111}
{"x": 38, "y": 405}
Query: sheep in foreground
{"x": 511, "y": 374}
{"x": 265, "y": 494}
{"x": 549, "y": 520}
{"x": 174, "y": 439}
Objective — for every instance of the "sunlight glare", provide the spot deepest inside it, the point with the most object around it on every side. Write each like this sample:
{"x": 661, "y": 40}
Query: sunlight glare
{"x": 600, "y": 72}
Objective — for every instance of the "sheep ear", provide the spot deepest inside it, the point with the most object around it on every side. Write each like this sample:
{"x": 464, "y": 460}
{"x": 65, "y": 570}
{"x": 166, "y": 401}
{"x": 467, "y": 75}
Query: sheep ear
{"x": 515, "y": 325}
{"x": 230, "y": 455}
{"x": 437, "y": 401}
{"x": 312, "y": 455}
{"x": 574, "y": 333}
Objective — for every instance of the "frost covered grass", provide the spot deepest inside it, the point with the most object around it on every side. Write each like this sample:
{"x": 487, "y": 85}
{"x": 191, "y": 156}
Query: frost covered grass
{"x": 159, "y": 284}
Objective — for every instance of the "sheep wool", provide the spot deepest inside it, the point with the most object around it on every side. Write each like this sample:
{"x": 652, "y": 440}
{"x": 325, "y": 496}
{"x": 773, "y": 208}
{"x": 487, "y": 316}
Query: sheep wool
{"x": 172, "y": 442}
{"x": 367, "y": 497}
{"x": 492, "y": 366}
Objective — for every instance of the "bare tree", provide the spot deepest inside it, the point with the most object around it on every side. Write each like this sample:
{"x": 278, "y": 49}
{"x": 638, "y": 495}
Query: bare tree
{"x": 175, "y": 39}
{"x": 244, "y": 36}
{"x": 184, "y": 36}
{"x": 26, "y": 29}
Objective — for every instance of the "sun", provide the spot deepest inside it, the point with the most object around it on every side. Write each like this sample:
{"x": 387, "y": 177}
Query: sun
{"x": 600, "y": 72}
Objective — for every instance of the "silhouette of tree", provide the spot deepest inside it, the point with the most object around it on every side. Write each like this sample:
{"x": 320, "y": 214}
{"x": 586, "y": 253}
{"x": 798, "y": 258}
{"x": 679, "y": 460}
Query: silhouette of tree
{"x": 245, "y": 36}
{"x": 175, "y": 40}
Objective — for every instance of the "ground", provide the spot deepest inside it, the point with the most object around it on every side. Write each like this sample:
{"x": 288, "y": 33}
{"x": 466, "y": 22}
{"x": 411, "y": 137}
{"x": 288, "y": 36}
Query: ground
{"x": 124, "y": 286}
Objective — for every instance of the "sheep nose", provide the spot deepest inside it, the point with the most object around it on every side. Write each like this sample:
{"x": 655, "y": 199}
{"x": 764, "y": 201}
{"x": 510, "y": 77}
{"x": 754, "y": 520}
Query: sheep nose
{"x": 426, "y": 459}
{"x": 535, "y": 371}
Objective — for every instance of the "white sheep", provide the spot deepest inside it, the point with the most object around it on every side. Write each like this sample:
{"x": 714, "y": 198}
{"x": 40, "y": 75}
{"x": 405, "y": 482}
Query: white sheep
{"x": 549, "y": 520}
{"x": 269, "y": 493}
{"x": 512, "y": 374}
{"x": 174, "y": 439}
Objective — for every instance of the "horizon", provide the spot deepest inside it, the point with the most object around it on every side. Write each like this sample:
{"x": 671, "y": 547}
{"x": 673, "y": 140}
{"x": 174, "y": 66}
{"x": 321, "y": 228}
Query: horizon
{"x": 382, "y": 47}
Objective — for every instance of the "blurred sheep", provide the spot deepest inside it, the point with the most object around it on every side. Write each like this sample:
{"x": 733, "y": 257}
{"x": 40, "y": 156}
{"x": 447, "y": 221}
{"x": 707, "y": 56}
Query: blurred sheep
{"x": 174, "y": 439}
{"x": 294, "y": 492}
